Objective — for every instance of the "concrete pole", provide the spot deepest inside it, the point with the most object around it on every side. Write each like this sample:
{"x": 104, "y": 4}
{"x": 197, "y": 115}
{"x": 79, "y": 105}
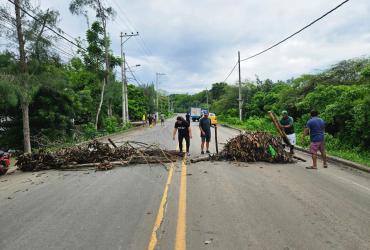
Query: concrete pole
{"x": 240, "y": 91}
{"x": 123, "y": 79}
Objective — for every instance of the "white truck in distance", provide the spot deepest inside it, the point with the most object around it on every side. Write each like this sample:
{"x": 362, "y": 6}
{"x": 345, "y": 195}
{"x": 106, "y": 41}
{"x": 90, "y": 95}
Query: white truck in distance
{"x": 195, "y": 114}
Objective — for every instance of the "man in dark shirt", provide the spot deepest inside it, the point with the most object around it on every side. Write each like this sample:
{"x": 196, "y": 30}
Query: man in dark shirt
{"x": 184, "y": 130}
{"x": 205, "y": 131}
{"x": 286, "y": 123}
{"x": 187, "y": 117}
{"x": 315, "y": 127}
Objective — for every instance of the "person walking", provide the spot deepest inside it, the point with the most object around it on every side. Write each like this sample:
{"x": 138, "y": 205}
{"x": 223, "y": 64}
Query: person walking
{"x": 184, "y": 132}
{"x": 205, "y": 131}
{"x": 144, "y": 120}
{"x": 162, "y": 119}
{"x": 187, "y": 117}
{"x": 150, "y": 120}
{"x": 286, "y": 123}
{"x": 315, "y": 127}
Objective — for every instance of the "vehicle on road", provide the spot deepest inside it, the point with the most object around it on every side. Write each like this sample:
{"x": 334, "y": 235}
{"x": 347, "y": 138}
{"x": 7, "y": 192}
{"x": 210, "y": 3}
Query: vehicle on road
{"x": 213, "y": 118}
{"x": 195, "y": 114}
{"x": 4, "y": 162}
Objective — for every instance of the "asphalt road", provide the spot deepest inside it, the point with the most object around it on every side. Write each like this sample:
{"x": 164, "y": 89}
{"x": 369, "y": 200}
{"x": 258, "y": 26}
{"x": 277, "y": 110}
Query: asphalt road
{"x": 207, "y": 205}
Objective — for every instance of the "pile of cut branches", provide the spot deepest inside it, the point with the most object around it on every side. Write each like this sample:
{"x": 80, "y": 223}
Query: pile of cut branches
{"x": 255, "y": 146}
{"x": 96, "y": 154}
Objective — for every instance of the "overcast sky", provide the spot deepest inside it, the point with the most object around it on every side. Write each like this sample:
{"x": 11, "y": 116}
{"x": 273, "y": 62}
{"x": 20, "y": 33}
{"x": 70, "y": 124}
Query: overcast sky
{"x": 195, "y": 42}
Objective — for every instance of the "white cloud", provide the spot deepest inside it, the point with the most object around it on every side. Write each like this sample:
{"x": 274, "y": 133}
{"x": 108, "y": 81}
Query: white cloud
{"x": 196, "y": 42}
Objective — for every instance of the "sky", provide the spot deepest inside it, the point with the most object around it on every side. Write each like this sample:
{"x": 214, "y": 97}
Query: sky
{"x": 195, "y": 42}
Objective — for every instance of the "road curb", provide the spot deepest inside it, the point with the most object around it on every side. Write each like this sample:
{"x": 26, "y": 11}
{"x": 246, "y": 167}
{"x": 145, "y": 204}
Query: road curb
{"x": 339, "y": 160}
{"x": 329, "y": 157}
{"x": 230, "y": 127}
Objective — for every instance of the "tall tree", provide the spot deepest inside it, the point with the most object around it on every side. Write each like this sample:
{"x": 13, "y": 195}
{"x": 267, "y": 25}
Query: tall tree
{"x": 78, "y": 7}
{"x": 28, "y": 35}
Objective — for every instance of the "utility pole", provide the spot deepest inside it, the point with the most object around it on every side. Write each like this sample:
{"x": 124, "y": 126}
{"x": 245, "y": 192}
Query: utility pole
{"x": 125, "y": 116}
{"x": 240, "y": 91}
{"x": 207, "y": 98}
{"x": 123, "y": 79}
{"x": 169, "y": 104}
{"x": 157, "y": 75}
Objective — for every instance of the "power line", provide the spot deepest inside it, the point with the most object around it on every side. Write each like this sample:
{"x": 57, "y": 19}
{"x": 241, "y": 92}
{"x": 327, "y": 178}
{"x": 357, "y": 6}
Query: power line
{"x": 232, "y": 70}
{"x": 59, "y": 49}
{"x": 46, "y": 26}
{"x": 295, "y": 33}
{"x": 130, "y": 25}
{"x": 133, "y": 75}
{"x": 285, "y": 39}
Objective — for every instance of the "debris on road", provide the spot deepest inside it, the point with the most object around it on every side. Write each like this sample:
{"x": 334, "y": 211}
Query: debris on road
{"x": 96, "y": 154}
{"x": 251, "y": 147}
{"x": 255, "y": 146}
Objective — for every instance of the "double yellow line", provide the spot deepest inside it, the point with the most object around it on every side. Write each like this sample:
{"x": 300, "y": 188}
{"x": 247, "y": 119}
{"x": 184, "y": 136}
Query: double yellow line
{"x": 180, "y": 242}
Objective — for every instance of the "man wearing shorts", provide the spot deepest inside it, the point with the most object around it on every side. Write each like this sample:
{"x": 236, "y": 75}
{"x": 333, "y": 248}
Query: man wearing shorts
{"x": 315, "y": 127}
{"x": 286, "y": 123}
{"x": 205, "y": 131}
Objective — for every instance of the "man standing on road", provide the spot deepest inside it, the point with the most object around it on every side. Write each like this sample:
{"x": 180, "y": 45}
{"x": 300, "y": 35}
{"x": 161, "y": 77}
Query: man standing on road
{"x": 150, "y": 120}
{"x": 162, "y": 119}
{"x": 187, "y": 117}
{"x": 286, "y": 123}
{"x": 144, "y": 120}
{"x": 315, "y": 127}
{"x": 205, "y": 131}
{"x": 184, "y": 133}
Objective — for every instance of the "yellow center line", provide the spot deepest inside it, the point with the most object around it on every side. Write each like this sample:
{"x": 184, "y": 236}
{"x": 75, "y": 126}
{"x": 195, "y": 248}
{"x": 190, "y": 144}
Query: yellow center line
{"x": 180, "y": 243}
{"x": 162, "y": 207}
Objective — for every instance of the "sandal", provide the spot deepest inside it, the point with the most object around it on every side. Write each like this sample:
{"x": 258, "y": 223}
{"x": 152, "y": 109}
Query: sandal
{"x": 311, "y": 168}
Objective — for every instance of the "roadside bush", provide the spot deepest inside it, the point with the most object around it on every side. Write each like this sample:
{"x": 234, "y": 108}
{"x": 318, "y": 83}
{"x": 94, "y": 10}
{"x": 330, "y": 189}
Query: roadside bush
{"x": 88, "y": 131}
{"x": 259, "y": 124}
{"x": 111, "y": 124}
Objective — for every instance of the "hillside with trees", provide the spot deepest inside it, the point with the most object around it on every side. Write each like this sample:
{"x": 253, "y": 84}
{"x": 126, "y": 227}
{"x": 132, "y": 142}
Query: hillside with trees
{"x": 49, "y": 97}
{"x": 340, "y": 93}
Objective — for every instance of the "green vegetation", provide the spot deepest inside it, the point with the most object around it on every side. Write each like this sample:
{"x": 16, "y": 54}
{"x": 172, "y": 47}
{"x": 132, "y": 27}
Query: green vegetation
{"x": 341, "y": 94}
{"x": 46, "y": 101}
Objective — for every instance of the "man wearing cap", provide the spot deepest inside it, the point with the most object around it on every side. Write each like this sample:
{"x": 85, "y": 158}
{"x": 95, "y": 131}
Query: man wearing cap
{"x": 286, "y": 123}
{"x": 205, "y": 131}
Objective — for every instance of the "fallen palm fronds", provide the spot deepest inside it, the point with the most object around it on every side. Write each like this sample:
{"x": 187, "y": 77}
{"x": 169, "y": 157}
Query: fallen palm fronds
{"x": 255, "y": 146}
{"x": 96, "y": 154}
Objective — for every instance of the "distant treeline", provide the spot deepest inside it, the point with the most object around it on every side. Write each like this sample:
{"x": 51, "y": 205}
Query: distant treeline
{"x": 341, "y": 94}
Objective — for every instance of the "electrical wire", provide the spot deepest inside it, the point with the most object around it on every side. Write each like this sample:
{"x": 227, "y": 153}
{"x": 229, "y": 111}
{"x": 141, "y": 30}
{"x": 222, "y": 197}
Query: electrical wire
{"x": 133, "y": 75}
{"x": 287, "y": 38}
{"x": 297, "y": 32}
{"x": 59, "y": 49}
{"x": 130, "y": 25}
{"x": 232, "y": 70}
{"x": 46, "y": 26}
